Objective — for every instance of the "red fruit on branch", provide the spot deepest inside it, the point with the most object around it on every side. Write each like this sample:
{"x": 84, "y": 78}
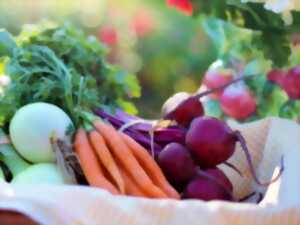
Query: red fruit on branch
{"x": 276, "y": 76}
{"x": 238, "y": 102}
{"x": 108, "y": 35}
{"x": 184, "y": 6}
{"x": 291, "y": 83}
{"x": 217, "y": 77}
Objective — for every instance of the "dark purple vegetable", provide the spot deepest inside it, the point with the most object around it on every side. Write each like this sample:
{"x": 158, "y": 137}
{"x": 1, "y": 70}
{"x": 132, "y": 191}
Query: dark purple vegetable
{"x": 221, "y": 177}
{"x": 145, "y": 142}
{"x": 177, "y": 164}
{"x": 121, "y": 118}
{"x": 211, "y": 142}
{"x": 207, "y": 186}
{"x": 176, "y": 134}
{"x": 140, "y": 129}
{"x": 182, "y": 108}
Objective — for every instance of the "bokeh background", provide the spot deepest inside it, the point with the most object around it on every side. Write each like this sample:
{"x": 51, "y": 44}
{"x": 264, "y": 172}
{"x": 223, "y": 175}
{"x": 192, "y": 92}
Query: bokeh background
{"x": 167, "y": 50}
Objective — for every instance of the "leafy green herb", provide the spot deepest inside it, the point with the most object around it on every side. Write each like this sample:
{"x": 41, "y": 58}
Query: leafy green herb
{"x": 61, "y": 65}
{"x": 271, "y": 32}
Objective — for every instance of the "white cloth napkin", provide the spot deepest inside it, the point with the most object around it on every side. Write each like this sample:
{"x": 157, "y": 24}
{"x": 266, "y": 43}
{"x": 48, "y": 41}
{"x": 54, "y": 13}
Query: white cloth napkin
{"x": 267, "y": 139}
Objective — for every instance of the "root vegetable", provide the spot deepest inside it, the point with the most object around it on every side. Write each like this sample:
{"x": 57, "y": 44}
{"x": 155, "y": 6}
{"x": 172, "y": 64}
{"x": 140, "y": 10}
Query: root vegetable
{"x": 106, "y": 159}
{"x": 32, "y": 127}
{"x": 89, "y": 163}
{"x": 122, "y": 153}
{"x": 150, "y": 166}
{"x": 41, "y": 173}
{"x": 177, "y": 164}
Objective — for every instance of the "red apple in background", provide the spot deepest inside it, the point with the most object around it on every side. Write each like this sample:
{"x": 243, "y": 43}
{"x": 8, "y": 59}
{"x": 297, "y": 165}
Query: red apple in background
{"x": 276, "y": 76}
{"x": 238, "y": 102}
{"x": 108, "y": 35}
{"x": 217, "y": 76}
{"x": 184, "y": 6}
{"x": 291, "y": 83}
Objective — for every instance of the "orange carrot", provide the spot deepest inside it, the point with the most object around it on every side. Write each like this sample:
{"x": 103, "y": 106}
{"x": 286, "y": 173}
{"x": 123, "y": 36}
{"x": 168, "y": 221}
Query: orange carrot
{"x": 106, "y": 159}
{"x": 89, "y": 163}
{"x": 126, "y": 158}
{"x": 150, "y": 166}
{"x": 131, "y": 187}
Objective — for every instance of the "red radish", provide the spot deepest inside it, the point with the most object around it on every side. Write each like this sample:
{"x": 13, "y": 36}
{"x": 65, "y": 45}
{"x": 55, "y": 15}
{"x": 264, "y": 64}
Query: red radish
{"x": 177, "y": 164}
{"x": 291, "y": 83}
{"x": 182, "y": 108}
{"x": 217, "y": 76}
{"x": 207, "y": 186}
{"x": 238, "y": 102}
{"x": 211, "y": 142}
{"x": 108, "y": 35}
{"x": 276, "y": 76}
{"x": 184, "y": 6}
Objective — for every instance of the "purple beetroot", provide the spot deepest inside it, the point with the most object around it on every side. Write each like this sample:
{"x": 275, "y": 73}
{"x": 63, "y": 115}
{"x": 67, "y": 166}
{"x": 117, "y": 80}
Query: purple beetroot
{"x": 211, "y": 141}
{"x": 183, "y": 108}
{"x": 209, "y": 185}
{"x": 220, "y": 177}
{"x": 177, "y": 164}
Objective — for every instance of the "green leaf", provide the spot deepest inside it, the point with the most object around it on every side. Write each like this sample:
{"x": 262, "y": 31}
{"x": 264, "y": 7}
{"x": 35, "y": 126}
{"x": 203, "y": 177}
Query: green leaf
{"x": 294, "y": 58}
{"x": 212, "y": 108}
{"x": 275, "y": 47}
{"x": 132, "y": 86}
{"x": 270, "y": 100}
{"x": 7, "y": 43}
{"x": 271, "y": 32}
{"x": 127, "y": 106}
{"x": 257, "y": 67}
{"x": 290, "y": 109}
{"x": 227, "y": 37}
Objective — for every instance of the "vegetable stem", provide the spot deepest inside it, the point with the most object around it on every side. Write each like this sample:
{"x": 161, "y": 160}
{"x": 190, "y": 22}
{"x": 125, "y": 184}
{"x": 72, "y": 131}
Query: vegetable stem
{"x": 242, "y": 141}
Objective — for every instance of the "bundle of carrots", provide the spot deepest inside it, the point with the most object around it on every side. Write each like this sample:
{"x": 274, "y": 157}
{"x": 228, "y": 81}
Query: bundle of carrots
{"x": 114, "y": 161}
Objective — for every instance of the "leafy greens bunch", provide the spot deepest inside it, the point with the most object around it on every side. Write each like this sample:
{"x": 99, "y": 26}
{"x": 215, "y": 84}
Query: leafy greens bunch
{"x": 63, "y": 66}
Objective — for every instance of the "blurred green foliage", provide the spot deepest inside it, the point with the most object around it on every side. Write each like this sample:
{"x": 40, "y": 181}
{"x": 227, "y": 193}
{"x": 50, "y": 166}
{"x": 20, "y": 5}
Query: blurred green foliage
{"x": 167, "y": 50}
